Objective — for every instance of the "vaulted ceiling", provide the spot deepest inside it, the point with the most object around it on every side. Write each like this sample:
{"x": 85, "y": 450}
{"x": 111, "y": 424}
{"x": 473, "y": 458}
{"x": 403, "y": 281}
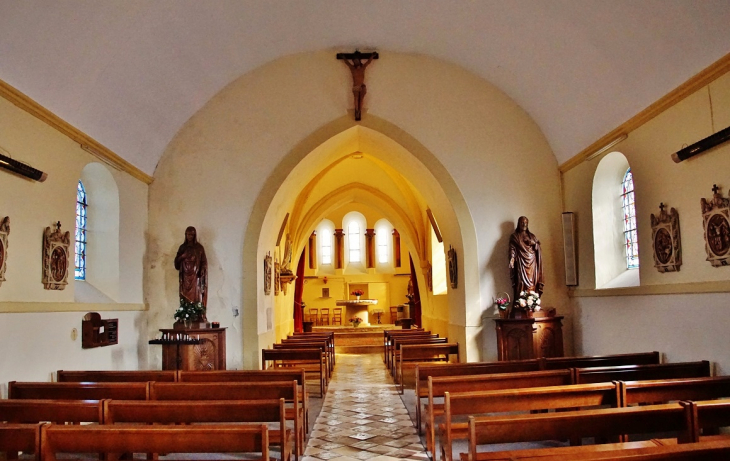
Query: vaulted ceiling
{"x": 130, "y": 73}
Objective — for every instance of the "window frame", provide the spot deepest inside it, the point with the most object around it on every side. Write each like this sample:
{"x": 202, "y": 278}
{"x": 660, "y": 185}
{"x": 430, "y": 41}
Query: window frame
{"x": 81, "y": 234}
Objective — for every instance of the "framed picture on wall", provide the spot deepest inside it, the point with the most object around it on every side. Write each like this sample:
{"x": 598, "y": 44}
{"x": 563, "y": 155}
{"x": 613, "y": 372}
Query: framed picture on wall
{"x": 325, "y": 292}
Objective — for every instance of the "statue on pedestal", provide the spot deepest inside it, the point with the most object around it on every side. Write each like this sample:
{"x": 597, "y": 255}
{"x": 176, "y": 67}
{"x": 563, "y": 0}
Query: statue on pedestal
{"x": 192, "y": 264}
{"x": 525, "y": 261}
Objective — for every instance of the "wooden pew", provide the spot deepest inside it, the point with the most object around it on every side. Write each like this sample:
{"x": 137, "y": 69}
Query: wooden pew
{"x": 709, "y": 416}
{"x": 665, "y": 391}
{"x": 15, "y": 438}
{"x": 642, "y": 372}
{"x": 701, "y": 451}
{"x": 570, "y": 397}
{"x": 118, "y": 376}
{"x": 321, "y": 345}
{"x": 412, "y": 355}
{"x": 114, "y": 440}
{"x": 78, "y": 391}
{"x": 640, "y": 358}
{"x": 236, "y": 391}
{"x": 253, "y": 376}
{"x": 311, "y": 360}
{"x": 220, "y": 411}
{"x": 423, "y": 371}
{"x": 329, "y": 338}
{"x": 388, "y": 334}
{"x": 437, "y": 387}
{"x": 575, "y": 425}
{"x": 24, "y": 411}
{"x": 399, "y": 342}
{"x": 390, "y": 345}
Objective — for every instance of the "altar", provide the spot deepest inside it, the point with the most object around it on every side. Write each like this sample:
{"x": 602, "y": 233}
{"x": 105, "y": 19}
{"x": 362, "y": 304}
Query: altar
{"x": 356, "y": 307}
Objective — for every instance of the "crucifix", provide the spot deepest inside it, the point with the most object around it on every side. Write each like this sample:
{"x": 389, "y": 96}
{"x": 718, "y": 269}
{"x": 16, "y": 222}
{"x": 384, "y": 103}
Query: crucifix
{"x": 354, "y": 62}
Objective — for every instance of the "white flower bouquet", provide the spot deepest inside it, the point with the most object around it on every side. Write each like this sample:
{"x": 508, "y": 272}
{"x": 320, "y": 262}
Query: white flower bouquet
{"x": 529, "y": 300}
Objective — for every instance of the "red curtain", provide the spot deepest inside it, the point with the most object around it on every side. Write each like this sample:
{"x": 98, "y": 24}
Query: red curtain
{"x": 416, "y": 306}
{"x": 298, "y": 290}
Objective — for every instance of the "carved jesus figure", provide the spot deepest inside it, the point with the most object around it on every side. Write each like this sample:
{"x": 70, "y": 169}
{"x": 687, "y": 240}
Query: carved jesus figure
{"x": 525, "y": 260}
{"x": 357, "y": 68}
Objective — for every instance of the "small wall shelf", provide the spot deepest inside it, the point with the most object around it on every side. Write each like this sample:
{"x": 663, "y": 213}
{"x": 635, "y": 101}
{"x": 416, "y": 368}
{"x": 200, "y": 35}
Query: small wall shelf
{"x": 96, "y": 332}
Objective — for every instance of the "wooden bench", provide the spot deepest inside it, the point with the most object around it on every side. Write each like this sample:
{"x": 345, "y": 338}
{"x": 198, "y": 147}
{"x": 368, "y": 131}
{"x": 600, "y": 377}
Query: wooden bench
{"x": 68, "y": 376}
{"x": 575, "y": 425}
{"x": 665, "y": 391}
{"x": 311, "y": 360}
{"x": 114, "y": 440}
{"x": 570, "y": 397}
{"x": 220, "y": 411}
{"x": 423, "y": 371}
{"x": 238, "y": 391}
{"x": 24, "y": 411}
{"x": 389, "y": 334}
{"x": 613, "y": 360}
{"x": 395, "y": 349}
{"x": 78, "y": 391}
{"x": 329, "y": 339}
{"x": 321, "y": 345}
{"x": 253, "y": 376}
{"x": 412, "y": 355}
{"x": 642, "y": 372}
{"x": 437, "y": 387}
{"x": 15, "y": 438}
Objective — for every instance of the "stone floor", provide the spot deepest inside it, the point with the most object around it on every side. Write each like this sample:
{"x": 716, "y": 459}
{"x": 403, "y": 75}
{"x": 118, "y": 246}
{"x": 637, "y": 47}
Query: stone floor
{"x": 362, "y": 416}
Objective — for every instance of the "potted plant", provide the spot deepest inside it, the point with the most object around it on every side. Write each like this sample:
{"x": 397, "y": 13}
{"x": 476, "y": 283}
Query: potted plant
{"x": 502, "y": 302}
{"x": 529, "y": 301}
{"x": 357, "y": 294}
{"x": 355, "y": 321}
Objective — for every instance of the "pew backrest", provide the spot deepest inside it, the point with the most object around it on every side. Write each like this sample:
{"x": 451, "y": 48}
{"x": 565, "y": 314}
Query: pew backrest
{"x": 25, "y": 411}
{"x": 78, "y": 391}
{"x": 21, "y": 437}
{"x": 640, "y": 358}
{"x": 643, "y": 372}
{"x": 665, "y": 391}
{"x": 72, "y": 376}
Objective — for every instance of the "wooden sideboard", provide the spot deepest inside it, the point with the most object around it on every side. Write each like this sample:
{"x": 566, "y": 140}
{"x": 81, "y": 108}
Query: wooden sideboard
{"x": 210, "y": 354}
{"x": 530, "y": 338}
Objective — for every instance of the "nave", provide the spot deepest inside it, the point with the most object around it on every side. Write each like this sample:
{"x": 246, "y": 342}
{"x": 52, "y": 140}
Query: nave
{"x": 363, "y": 416}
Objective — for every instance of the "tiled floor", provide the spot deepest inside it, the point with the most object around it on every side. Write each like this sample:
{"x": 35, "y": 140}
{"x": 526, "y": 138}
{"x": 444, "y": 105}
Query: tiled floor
{"x": 363, "y": 417}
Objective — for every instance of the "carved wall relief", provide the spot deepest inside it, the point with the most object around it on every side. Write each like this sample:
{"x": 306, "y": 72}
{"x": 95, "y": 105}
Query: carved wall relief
{"x": 716, "y": 224}
{"x": 268, "y": 262}
{"x": 666, "y": 240}
{"x": 453, "y": 268}
{"x": 4, "y": 231}
{"x": 277, "y": 278}
{"x": 55, "y": 258}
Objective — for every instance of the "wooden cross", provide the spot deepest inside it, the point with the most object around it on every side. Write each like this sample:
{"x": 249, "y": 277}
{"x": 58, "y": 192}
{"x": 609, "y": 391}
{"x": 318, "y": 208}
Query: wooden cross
{"x": 715, "y": 189}
{"x": 357, "y": 68}
{"x": 662, "y": 206}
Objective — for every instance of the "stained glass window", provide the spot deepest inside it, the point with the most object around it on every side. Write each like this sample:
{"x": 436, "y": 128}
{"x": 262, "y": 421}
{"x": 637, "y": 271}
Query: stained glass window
{"x": 325, "y": 249}
{"x": 81, "y": 210}
{"x": 631, "y": 241}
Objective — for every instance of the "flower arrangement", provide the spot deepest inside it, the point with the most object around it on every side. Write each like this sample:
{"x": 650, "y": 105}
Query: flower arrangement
{"x": 189, "y": 310}
{"x": 355, "y": 321}
{"x": 502, "y": 302}
{"x": 529, "y": 300}
{"x": 357, "y": 292}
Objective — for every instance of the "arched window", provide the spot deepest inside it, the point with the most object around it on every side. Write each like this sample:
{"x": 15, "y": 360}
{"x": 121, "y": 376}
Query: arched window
{"x": 81, "y": 210}
{"x": 627, "y": 205}
{"x": 384, "y": 246}
{"x": 325, "y": 237}
{"x": 353, "y": 242}
{"x": 615, "y": 231}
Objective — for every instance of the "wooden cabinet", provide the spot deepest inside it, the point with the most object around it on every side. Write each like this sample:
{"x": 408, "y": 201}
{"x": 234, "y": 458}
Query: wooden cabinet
{"x": 210, "y": 354}
{"x": 532, "y": 338}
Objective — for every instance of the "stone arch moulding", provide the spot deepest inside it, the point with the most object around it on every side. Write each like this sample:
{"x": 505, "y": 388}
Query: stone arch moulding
{"x": 427, "y": 170}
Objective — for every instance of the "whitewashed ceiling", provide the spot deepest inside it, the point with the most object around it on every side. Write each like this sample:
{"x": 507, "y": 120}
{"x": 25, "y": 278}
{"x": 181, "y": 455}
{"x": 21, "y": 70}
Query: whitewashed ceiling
{"x": 130, "y": 72}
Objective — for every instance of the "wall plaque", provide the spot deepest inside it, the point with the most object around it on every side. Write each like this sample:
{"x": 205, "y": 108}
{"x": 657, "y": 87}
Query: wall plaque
{"x": 716, "y": 225}
{"x": 667, "y": 244}
{"x": 55, "y": 258}
{"x": 268, "y": 262}
{"x": 4, "y": 231}
{"x": 453, "y": 268}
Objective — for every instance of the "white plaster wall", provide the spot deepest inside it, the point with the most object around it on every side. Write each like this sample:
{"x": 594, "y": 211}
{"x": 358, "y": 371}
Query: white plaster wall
{"x": 39, "y": 344}
{"x": 218, "y": 164}
{"x": 684, "y": 328}
{"x": 35, "y": 341}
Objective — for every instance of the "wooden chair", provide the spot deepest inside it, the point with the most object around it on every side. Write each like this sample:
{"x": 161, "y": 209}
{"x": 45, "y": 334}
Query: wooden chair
{"x": 393, "y": 314}
{"x": 337, "y": 316}
{"x": 324, "y": 316}
{"x": 313, "y": 315}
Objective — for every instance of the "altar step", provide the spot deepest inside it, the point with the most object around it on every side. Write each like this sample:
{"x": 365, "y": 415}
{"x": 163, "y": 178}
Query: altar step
{"x": 358, "y": 340}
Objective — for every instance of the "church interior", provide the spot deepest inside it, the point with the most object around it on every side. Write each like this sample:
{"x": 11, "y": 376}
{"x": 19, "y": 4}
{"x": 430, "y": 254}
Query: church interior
{"x": 335, "y": 198}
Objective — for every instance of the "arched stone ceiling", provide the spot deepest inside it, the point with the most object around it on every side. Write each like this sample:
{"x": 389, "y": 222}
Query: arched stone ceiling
{"x": 130, "y": 72}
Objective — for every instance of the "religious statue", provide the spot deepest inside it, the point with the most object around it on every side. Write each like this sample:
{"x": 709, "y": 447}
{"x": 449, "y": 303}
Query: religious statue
{"x": 525, "y": 260}
{"x": 357, "y": 68}
{"x": 192, "y": 264}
